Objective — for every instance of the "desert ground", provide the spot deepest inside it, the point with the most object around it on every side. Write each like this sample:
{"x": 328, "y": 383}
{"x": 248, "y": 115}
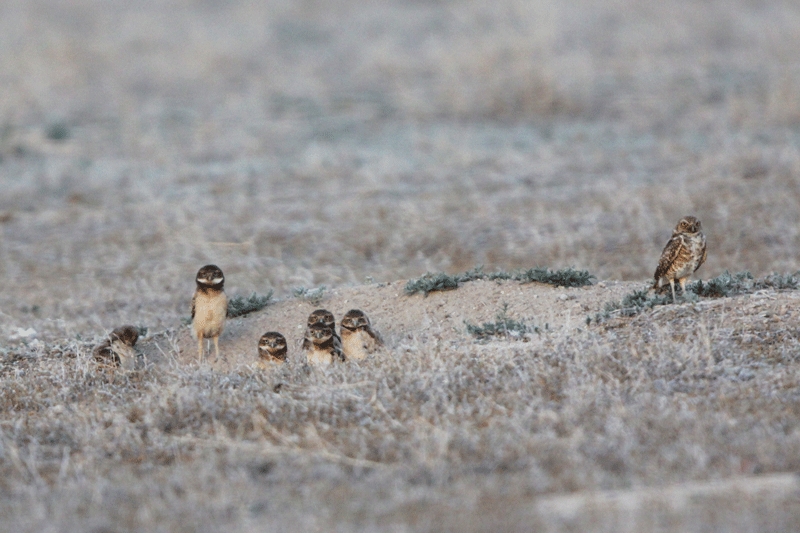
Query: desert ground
{"x": 325, "y": 154}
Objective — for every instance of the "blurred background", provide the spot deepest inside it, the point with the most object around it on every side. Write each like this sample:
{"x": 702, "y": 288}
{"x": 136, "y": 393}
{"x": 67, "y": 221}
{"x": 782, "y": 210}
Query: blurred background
{"x": 307, "y": 143}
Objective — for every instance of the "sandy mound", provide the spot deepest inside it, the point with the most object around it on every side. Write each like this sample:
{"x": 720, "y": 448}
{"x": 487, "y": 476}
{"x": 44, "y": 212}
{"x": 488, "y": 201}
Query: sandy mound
{"x": 414, "y": 323}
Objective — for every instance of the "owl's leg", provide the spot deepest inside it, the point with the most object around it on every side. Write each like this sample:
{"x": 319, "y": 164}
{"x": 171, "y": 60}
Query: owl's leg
{"x": 216, "y": 346}
{"x": 672, "y": 286}
{"x": 199, "y": 347}
{"x": 682, "y": 281}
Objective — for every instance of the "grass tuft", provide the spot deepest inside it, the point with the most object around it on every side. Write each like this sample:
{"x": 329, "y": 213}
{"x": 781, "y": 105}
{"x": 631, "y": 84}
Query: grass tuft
{"x": 779, "y": 282}
{"x": 240, "y": 306}
{"x": 312, "y": 296}
{"x": 431, "y": 282}
{"x": 631, "y": 305}
{"x": 724, "y": 285}
{"x": 728, "y": 284}
{"x": 503, "y": 326}
{"x": 567, "y": 277}
{"x": 472, "y": 275}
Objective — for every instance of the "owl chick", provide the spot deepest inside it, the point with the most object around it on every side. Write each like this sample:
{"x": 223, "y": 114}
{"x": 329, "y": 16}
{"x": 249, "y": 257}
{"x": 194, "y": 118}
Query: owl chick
{"x": 272, "y": 347}
{"x": 209, "y": 307}
{"x": 683, "y": 254}
{"x": 358, "y": 337}
{"x": 117, "y": 349}
{"x": 320, "y": 316}
{"x": 324, "y": 347}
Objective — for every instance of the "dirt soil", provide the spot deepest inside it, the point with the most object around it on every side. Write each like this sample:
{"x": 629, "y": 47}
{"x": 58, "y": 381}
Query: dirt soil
{"x": 405, "y": 322}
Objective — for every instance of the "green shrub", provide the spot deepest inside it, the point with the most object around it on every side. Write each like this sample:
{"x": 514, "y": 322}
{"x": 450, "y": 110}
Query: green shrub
{"x": 726, "y": 284}
{"x": 312, "y": 296}
{"x": 567, "y": 277}
{"x": 239, "y": 305}
{"x": 503, "y": 326}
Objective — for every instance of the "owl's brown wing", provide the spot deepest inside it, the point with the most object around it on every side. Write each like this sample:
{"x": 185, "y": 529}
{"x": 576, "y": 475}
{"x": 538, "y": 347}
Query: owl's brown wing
{"x": 307, "y": 344}
{"x": 336, "y": 350}
{"x": 702, "y": 258}
{"x": 194, "y": 299}
{"x": 281, "y": 354}
{"x": 126, "y": 334}
{"x": 668, "y": 256}
{"x": 374, "y": 334}
{"x": 103, "y": 353}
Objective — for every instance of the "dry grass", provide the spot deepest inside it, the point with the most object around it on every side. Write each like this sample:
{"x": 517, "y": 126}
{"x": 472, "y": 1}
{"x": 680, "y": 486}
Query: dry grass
{"x": 274, "y": 142}
{"x": 416, "y": 437}
{"x": 304, "y": 144}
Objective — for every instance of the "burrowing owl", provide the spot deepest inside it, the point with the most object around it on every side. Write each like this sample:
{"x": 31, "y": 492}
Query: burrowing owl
{"x": 272, "y": 347}
{"x": 324, "y": 347}
{"x": 117, "y": 349}
{"x": 209, "y": 307}
{"x": 320, "y": 316}
{"x": 683, "y": 254}
{"x": 358, "y": 337}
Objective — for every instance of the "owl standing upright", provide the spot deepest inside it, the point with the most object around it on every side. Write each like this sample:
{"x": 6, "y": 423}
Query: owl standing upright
{"x": 209, "y": 307}
{"x": 683, "y": 254}
{"x": 358, "y": 337}
{"x": 272, "y": 347}
{"x": 117, "y": 349}
{"x": 320, "y": 316}
{"x": 323, "y": 346}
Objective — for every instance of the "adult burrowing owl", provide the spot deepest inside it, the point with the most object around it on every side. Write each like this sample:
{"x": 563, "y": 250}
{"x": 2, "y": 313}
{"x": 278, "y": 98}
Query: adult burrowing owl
{"x": 683, "y": 254}
{"x": 117, "y": 349}
{"x": 320, "y": 316}
{"x": 358, "y": 337}
{"x": 324, "y": 347}
{"x": 209, "y": 307}
{"x": 272, "y": 347}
